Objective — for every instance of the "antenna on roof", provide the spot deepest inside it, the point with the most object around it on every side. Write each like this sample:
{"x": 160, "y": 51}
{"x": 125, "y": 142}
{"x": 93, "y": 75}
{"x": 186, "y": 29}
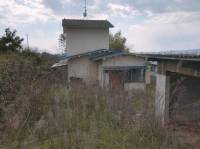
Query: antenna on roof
{"x": 85, "y": 10}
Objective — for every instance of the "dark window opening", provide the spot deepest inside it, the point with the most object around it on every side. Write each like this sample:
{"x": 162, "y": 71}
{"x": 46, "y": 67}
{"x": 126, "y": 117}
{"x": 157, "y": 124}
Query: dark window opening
{"x": 135, "y": 75}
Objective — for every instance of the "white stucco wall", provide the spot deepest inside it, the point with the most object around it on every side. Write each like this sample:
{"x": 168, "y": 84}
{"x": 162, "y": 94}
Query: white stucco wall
{"x": 85, "y": 40}
{"x": 83, "y": 68}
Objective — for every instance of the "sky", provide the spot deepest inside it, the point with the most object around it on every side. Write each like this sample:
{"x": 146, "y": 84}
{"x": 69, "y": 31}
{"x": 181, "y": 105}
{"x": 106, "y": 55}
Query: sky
{"x": 148, "y": 25}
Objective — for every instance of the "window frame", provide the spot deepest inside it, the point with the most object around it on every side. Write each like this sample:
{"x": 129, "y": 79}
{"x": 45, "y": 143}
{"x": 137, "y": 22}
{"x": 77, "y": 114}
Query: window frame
{"x": 135, "y": 76}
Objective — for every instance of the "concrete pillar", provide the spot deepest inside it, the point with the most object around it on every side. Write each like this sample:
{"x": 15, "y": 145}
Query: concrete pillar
{"x": 162, "y": 98}
{"x": 148, "y": 75}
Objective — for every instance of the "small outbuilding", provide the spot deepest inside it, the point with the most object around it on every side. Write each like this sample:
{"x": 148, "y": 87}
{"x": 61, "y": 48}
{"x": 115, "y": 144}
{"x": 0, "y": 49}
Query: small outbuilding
{"x": 90, "y": 60}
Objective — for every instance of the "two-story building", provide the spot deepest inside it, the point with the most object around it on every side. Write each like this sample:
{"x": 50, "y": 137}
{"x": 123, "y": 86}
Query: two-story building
{"x": 90, "y": 60}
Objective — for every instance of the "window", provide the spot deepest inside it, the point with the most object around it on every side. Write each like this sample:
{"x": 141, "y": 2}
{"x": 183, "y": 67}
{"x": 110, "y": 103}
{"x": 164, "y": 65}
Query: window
{"x": 135, "y": 75}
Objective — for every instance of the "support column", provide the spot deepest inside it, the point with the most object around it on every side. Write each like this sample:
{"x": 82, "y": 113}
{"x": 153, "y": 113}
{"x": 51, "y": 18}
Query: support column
{"x": 162, "y": 98}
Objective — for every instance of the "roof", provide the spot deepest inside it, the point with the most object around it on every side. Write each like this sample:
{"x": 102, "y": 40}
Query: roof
{"x": 75, "y": 23}
{"x": 96, "y": 55}
{"x": 60, "y": 63}
{"x": 99, "y": 54}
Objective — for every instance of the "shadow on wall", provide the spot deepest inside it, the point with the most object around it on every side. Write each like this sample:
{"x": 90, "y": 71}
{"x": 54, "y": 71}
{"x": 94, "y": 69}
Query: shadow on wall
{"x": 184, "y": 102}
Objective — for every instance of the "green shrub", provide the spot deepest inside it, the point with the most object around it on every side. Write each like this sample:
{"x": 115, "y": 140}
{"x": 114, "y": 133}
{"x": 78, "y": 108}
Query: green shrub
{"x": 10, "y": 41}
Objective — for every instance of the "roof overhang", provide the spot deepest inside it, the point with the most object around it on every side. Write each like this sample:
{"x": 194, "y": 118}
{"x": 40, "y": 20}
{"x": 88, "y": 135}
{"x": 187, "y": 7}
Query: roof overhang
{"x": 78, "y": 23}
{"x": 124, "y": 67}
{"x": 60, "y": 64}
{"x": 102, "y": 54}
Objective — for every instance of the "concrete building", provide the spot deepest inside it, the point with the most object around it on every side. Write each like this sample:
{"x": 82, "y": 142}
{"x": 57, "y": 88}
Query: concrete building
{"x": 90, "y": 60}
{"x": 177, "y": 89}
{"x": 86, "y": 35}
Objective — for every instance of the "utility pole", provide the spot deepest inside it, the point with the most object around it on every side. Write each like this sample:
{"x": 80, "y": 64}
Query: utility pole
{"x": 85, "y": 10}
{"x": 27, "y": 41}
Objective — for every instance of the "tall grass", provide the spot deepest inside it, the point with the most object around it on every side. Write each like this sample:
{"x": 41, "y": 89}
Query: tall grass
{"x": 87, "y": 117}
{"x": 38, "y": 111}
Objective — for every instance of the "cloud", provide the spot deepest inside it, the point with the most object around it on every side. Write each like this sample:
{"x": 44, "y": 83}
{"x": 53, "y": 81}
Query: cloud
{"x": 68, "y": 7}
{"x": 147, "y": 24}
{"x": 27, "y": 11}
{"x": 57, "y": 6}
{"x": 169, "y": 31}
{"x": 176, "y": 17}
{"x": 121, "y": 10}
{"x": 162, "y": 6}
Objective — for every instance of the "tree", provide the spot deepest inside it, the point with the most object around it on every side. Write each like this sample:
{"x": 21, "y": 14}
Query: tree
{"x": 10, "y": 41}
{"x": 117, "y": 41}
{"x": 62, "y": 43}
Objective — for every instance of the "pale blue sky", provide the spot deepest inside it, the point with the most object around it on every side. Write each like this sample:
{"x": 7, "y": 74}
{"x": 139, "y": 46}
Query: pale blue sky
{"x": 148, "y": 25}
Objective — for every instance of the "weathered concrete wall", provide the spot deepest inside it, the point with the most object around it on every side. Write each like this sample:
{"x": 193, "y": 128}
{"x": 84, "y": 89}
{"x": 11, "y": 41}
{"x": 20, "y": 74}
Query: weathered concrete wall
{"x": 175, "y": 103}
{"x": 162, "y": 98}
{"x": 185, "y": 68}
{"x": 83, "y": 68}
{"x": 85, "y": 40}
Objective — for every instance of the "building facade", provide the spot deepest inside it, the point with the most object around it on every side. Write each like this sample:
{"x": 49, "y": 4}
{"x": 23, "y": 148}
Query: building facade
{"x": 90, "y": 60}
{"x": 86, "y": 35}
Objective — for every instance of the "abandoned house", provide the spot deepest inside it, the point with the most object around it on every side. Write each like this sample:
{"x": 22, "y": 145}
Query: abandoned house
{"x": 177, "y": 89}
{"x": 90, "y": 61}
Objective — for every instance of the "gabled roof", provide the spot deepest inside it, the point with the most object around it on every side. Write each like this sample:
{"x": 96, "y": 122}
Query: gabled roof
{"x": 74, "y": 23}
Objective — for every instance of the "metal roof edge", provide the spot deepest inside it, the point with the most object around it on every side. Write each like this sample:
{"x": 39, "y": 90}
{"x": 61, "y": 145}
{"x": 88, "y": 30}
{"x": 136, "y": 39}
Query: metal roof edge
{"x": 86, "y": 53}
{"x": 107, "y": 23}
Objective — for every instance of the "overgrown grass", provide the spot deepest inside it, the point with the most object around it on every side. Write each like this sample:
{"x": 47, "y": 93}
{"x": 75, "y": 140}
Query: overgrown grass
{"x": 88, "y": 118}
{"x": 39, "y": 111}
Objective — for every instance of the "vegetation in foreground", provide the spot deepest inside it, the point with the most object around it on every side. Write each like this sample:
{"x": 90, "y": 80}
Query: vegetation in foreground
{"x": 38, "y": 111}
